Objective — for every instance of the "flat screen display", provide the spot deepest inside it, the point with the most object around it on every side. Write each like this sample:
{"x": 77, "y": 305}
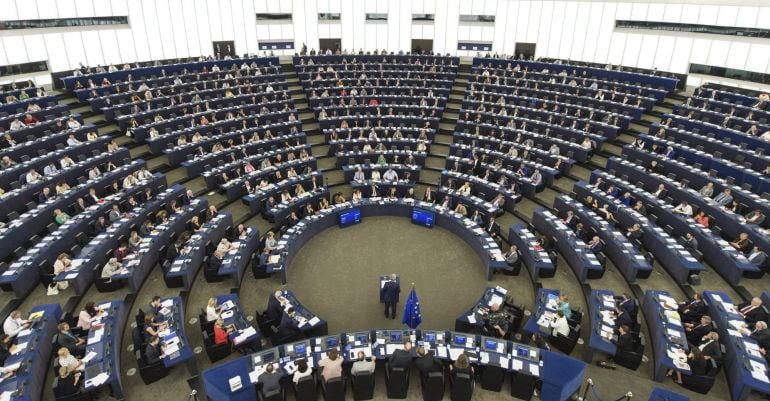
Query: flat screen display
{"x": 331, "y": 342}
{"x": 349, "y": 217}
{"x": 300, "y": 349}
{"x": 362, "y": 338}
{"x": 430, "y": 337}
{"x": 490, "y": 345}
{"x": 395, "y": 337}
{"x": 460, "y": 340}
{"x": 423, "y": 217}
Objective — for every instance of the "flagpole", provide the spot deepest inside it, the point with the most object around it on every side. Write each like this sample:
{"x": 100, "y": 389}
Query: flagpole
{"x": 411, "y": 315}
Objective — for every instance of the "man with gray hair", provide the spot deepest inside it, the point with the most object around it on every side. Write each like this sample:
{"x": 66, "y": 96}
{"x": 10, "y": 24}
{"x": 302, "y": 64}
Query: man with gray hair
{"x": 390, "y": 293}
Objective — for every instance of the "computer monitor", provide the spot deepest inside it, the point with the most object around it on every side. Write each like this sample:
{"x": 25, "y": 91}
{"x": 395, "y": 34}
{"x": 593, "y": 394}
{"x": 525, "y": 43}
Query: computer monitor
{"x": 423, "y": 217}
{"x": 266, "y": 356}
{"x": 395, "y": 336}
{"x": 490, "y": 345}
{"x": 460, "y": 340}
{"x": 349, "y": 217}
{"x": 331, "y": 342}
{"x": 429, "y": 337}
{"x": 362, "y": 338}
{"x": 300, "y": 349}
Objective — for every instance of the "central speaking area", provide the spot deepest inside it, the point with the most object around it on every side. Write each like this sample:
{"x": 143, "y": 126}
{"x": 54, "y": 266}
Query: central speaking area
{"x": 336, "y": 273}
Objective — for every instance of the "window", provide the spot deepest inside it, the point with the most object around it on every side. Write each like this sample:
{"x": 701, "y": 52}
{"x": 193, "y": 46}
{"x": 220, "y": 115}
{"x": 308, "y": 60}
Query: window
{"x": 423, "y": 17}
{"x": 276, "y": 45}
{"x": 25, "y": 68}
{"x": 376, "y": 17}
{"x": 730, "y": 73}
{"x": 328, "y": 16}
{"x": 694, "y": 28}
{"x": 478, "y": 47}
{"x": 484, "y": 19}
{"x": 268, "y": 17}
{"x": 62, "y": 22}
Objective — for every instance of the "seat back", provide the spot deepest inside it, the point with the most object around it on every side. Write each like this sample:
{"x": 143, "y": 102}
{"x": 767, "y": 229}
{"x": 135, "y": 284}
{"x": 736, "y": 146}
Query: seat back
{"x": 433, "y": 387}
{"x": 397, "y": 381}
{"x": 334, "y": 389}
{"x": 305, "y": 389}
{"x": 363, "y": 385}
{"x": 462, "y": 387}
{"x": 492, "y": 378}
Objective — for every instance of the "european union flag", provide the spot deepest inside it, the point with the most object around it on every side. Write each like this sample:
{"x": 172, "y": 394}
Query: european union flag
{"x": 412, "y": 316}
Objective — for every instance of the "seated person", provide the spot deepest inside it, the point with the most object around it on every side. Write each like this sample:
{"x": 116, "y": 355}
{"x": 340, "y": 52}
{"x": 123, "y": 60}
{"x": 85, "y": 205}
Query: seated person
{"x": 67, "y": 360}
{"x": 695, "y": 332}
{"x": 752, "y": 311}
{"x": 560, "y": 324}
{"x": 331, "y": 364}
{"x": 65, "y": 338}
{"x": 270, "y": 379}
{"x": 303, "y": 370}
{"x": 742, "y": 243}
{"x": 496, "y": 321}
{"x": 461, "y": 365}
{"x": 426, "y": 363}
{"x": 67, "y": 383}
{"x": 111, "y": 268}
{"x": 221, "y": 332}
{"x": 710, "y": 347}
{"x": 401, "y": 358}
{"x": 697, "y": 364}
{"x": 692, "y": 310}
{"x": 363, "y": 365}
{"x": 212, "y": 310}
{"x": 153, "y": 352}
{"x": 13, "y": 324}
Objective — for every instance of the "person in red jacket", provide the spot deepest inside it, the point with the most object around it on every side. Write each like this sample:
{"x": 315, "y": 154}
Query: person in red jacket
{"x": 221, "y": 332}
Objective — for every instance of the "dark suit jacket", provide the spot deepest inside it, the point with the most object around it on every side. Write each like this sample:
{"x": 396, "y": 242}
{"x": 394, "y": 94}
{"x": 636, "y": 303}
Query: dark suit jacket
{"x": 390, "y": 291}
{"x": 624, "y": 318}
{"x": 171, "y": 252}
{"x": 625, "y": 342}
{"x": 274, "y": 309}
{"x": 493, "y": 229}
{"x": 696, "y": 335}
{"x": 596, "y": 248}
{"x": 713, "y": 350}
{"x": 753, "y": 316}
{"x": 427, "y": 364}
{"x": 762, "y": 337}
{"x": 288, "y": 327}
{"x": 400, "y": 359}
{"x": 66, "y": 341}
{"x": 151, "y": 354}
{"x": 214, "y": 263}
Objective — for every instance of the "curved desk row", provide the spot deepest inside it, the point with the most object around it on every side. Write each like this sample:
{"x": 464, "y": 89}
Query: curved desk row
{"x": 561, "y": 375}
{"x": 619, "y": 249}
{"x": 35, "y": 345}
{"x": 182, "y": 271}
{"x": 139, "y": 263}
{"x": 537, "y": 260}
{"x": 475, "y": 316}
{"x": 576, "y": 253}
{"x": 105, "y": 341}
{"x": 89, "y": 261}
{"x": 671, "y": 255}
{"x": 474, "y": 235}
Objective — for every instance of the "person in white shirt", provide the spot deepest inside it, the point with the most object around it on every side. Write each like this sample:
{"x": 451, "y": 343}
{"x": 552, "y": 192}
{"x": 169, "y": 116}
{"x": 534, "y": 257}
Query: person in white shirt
{"x": 390, "y": 175}
{"x": 144, "y": 174}
{"x": 33, "y": 177}
{"x": 684, "y": 209}
{"x": 94, "y": 172}
{"x": 302, "y": 371}
{"x": 536, "y": 178}
{"x": 560, "y": 324}
{"x": 212, "y": 310}
{"x": 465, "y": 189}
{"x": 72, "y": 123}
{"x": 72, "y": 141}
{"x": 111, "y": 268}
{"x": 66, "y": 161}
{"x": 14, "y": 324}
{"x": 359, "y": 175}
{"x": 50, "y": 169}
{"x": 68, "y": 361}
{"x": 270, "y": 241}
{"x": 363, "y": 365}
{"x": 17, "y": 125}
{"x": 375, "y": 175}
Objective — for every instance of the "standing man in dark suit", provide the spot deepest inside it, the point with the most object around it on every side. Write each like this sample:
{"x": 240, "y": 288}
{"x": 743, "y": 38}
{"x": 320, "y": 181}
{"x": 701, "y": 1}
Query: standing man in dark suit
{"x": 390, "y": 292}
